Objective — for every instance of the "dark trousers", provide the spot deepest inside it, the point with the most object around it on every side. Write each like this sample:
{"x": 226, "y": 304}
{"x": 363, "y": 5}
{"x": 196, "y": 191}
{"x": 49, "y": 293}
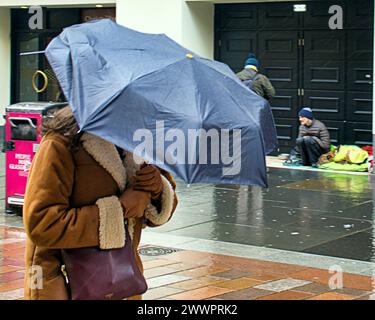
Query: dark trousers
{"x": 310, "y": 150}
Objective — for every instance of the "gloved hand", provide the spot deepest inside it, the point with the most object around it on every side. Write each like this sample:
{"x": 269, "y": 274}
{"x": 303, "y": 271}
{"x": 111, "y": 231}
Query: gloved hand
{"x": 134, "y": 203}
{"x": 148, "y": 178}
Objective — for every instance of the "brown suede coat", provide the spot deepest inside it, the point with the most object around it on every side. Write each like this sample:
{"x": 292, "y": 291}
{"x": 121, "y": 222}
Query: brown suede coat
{"x": 72, "y": 201}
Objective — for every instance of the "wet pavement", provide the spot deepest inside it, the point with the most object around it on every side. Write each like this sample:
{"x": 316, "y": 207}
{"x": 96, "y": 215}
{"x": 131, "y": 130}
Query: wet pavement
{"x": 305, "y": 222}
{"x": 192, "y": 275}
{"x": 313, "y": 212}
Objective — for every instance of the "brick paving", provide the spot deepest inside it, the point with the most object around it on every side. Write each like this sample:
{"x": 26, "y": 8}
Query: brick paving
{"x": 191, "y": 275}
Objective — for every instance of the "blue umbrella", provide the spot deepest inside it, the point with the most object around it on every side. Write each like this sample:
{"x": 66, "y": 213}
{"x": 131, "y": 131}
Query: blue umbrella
{"x": 148, "y": 95}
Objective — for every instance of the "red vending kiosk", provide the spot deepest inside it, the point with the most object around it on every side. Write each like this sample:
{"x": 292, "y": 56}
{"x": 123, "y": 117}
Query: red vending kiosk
{"x": 22, "y": 138}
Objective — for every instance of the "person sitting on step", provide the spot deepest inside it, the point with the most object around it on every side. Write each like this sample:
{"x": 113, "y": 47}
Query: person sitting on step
{"x": 313, "y": 138}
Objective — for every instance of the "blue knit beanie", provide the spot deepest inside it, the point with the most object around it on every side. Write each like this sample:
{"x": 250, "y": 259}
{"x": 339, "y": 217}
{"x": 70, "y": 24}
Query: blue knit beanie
{"x": 252, "y": 61}
{"x": 307, "y": 113}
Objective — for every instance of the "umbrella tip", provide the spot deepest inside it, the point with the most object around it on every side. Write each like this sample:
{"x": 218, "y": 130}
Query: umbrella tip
{"x": 190, "y": 56}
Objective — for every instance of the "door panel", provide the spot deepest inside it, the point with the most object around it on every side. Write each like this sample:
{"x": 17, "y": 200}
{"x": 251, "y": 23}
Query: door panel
{"x": 277, "y": 16}
{"x": 285, "y": 103}
{"x": 282, "y": 73}
{"x": 359, "y": 133}
{"x": 326, "y": 104}
{"x": 278, "y": 45}
{"x": 324, "y": 45}
{"x": 360, "y": 14}
{"x": 360, "y": 45}
{"x": 328, "y": 75}
{"x": 235, "y": 47}
{"x": 359, "y": 106}
{"x": 287, "y": 132}
{"x": 336, "y": 131}
{"x": 359, "y": 76}
{"x": 238, "y": 17}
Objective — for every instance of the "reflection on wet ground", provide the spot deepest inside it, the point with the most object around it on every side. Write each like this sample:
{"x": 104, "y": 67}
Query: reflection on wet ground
{"x": 305, "y": 211}
{"x": 313, "y": 212}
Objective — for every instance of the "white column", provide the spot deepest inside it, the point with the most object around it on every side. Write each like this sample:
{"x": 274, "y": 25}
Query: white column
{"x": 198, "y": 27}
{"x": 150, "y": 16}
{"x": 5, "y": 58}
{"x": 189, "y": 24}
{"x": 45, "y": 3}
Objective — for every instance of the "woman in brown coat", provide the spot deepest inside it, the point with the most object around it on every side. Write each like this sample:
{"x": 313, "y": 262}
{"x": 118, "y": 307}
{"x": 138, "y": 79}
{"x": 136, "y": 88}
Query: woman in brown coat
{"x": 80, "y": 192}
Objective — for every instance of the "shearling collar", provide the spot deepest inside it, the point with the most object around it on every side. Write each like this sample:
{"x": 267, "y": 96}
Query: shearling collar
{"x": 105, "y": 153}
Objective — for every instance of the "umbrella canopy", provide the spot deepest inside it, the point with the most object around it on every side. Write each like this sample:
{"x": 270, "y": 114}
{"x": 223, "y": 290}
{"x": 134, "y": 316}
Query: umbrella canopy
{"x": 148, "y": 95}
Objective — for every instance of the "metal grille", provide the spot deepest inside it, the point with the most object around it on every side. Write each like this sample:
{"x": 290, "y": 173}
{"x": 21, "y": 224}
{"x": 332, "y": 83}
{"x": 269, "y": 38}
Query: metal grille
{"x": 156, "y": 251}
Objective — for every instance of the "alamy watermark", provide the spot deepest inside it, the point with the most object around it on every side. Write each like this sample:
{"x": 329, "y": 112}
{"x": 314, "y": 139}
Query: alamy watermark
{"x": 36, "y": 277}
{"x": 36, "y": 20}
{"x": 191, "y": 147}
{"x": 372, "y": 296}
{"x": 335, "y": 22}
{"x": 336, "y": 282}
{"x": 337, "y": 19}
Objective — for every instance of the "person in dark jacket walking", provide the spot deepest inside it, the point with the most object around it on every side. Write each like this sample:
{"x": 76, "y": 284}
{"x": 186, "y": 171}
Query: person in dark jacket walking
{"x": 313, "y": 138}
{"x": 260, "y": 84}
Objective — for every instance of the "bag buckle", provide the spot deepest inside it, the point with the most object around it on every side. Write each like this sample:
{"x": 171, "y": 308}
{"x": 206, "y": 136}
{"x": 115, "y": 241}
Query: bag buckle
{"x": 63, "y": 270}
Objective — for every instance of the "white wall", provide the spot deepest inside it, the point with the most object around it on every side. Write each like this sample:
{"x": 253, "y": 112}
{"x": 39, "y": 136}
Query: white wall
{"x": 240, "y": 1}
{"x": 151, "y": 16}
{"x": 5, "y": 61}
{"x": 189, "y": 24}
{"x": 198, "y": 28}
{"x": 18, "y": 3}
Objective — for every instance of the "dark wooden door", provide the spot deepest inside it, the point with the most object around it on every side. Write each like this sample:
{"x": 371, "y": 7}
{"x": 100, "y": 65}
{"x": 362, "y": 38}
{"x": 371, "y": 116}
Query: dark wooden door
{"x": 308, "y": 63}
{"x": 324, "y": 76}
{"x": 279, "y": 55}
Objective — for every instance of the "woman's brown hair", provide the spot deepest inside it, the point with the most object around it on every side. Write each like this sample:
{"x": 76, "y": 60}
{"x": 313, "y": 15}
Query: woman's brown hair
{"x": 63, "y": 122}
